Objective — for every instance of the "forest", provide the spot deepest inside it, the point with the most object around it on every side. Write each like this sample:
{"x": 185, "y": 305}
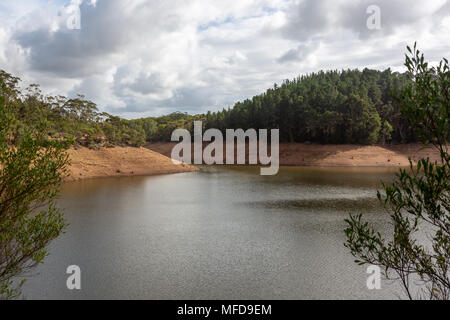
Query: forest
{"x": 339, "y": 107}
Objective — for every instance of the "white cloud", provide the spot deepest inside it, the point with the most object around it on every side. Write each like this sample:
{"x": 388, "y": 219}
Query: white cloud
{"x": 138, "y": 57}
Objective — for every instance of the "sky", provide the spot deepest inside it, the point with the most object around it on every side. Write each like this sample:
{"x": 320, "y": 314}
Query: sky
{"x": 138, "y": 58}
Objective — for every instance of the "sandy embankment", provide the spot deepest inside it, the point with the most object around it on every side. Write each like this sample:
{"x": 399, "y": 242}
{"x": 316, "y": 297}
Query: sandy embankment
{"x": 118, "y": 161}
{"x": 298, "y": 154}
{"x": 354, "y": 155}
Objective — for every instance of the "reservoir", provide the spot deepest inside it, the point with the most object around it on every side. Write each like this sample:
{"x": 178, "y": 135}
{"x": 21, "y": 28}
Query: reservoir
{"x": 221, "y": 233}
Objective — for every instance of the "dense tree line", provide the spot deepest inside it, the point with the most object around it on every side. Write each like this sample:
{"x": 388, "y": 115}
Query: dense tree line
{"x": 75, "y": 120}
{"x": 349, "y": 106}
{"x": 79, "y": 121}
{"x": 340, "y": 107}
{"x": 159, "y": 129}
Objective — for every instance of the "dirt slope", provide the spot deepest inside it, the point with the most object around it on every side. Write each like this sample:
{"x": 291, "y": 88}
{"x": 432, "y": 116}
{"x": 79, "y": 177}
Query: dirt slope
{"x": 118, "y": 161}
{"x": 297, "y": 154}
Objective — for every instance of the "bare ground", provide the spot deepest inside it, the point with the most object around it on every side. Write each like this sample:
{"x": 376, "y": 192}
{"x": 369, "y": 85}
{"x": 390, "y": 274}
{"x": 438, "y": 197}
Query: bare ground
{"x": 155, "y": 158}
{"x": 120, "y": 161}
{"x": 297, "y": 154}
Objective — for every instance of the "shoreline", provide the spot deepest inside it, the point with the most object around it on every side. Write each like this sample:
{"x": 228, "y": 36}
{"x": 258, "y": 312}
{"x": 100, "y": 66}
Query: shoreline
{"x": 120, "y": 162}
{"x": 315, "y": 155}
{"x": 154, "y": 159}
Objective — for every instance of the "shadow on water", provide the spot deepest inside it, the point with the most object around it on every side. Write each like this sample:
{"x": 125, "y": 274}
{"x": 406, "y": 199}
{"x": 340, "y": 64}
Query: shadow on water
{"x": 347, "y": 205}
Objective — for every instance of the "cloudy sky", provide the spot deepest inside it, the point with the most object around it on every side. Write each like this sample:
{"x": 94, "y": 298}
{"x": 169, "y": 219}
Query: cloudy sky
{"x": 139, "y": 58}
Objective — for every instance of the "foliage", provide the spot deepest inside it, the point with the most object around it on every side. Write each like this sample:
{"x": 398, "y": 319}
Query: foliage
{"x": 419, "y": 199}
{"x": 160, "y": 129}
{"x": 31, "y": 167}
{"x": 349, "y": 106}
{"x": 77, "y": 119}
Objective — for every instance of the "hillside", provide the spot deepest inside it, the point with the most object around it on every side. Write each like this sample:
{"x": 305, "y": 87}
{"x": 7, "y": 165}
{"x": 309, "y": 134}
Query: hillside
{"x": 332, "y": 107}
{"x": 298, "y": 154}
{"x": 120, "y": 161}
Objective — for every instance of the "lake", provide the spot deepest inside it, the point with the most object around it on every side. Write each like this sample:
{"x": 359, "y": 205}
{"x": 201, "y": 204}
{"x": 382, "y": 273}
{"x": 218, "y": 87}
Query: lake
{"x": 221, "y": 233}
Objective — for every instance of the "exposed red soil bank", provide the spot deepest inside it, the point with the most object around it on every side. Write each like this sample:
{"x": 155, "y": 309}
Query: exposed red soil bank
{"x": 119, "y": 161}
{"x": 297, "y": 154}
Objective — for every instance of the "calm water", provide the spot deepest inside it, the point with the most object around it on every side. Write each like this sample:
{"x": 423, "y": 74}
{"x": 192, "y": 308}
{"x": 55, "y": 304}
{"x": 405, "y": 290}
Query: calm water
{"x": 222, "y": 233}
